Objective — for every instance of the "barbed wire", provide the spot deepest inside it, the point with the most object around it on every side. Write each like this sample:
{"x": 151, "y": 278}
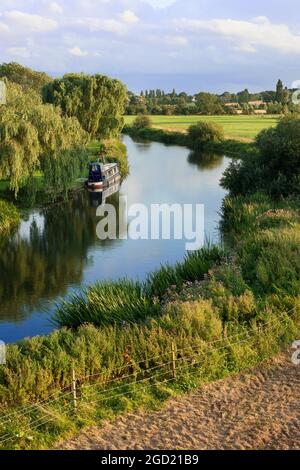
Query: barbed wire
{"x": 27, "y": 409}
{"x": 42, "y": 420}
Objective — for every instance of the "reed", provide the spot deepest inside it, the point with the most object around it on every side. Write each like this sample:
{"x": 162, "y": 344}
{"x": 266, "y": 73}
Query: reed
{"x": 126, "y": 301}
{"x": 106, "y": 303}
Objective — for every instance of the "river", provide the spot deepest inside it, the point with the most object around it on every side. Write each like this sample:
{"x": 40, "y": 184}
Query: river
{"x": 56, "y": 251}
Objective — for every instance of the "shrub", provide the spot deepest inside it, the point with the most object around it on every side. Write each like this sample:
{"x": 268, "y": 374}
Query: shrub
{"x": 142, "y": 122}
{"x": 204, "y": 133}
{"x": 275, "y": 169}
{"x": 270, "y": 261}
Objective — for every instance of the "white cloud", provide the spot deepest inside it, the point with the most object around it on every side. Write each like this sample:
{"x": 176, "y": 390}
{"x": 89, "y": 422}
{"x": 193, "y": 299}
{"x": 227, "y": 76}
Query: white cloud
{"x": 76, "y": 51}
{"x": 177, "y": 41}
{"x": 106, "y": 25}
{"x": 56, "y": 8}
{"x": 247, "y": 35}
{"x": 3, "y": 28}
{"x": 129, "y": 17}
{"x": 160, "y": 3}
{"x": 20, "y": 52}
{"x": 28, "y": 22}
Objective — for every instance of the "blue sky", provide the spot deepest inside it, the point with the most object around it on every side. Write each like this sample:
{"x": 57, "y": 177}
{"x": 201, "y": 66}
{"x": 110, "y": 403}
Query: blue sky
{"x": 193, "y": 45}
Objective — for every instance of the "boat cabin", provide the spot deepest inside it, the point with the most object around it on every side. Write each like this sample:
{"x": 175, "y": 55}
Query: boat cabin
{"x": 103, "y": 175}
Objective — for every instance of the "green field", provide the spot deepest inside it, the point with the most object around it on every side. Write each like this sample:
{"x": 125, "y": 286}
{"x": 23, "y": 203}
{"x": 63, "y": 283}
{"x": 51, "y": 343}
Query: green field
{"x": 235, "y": 127}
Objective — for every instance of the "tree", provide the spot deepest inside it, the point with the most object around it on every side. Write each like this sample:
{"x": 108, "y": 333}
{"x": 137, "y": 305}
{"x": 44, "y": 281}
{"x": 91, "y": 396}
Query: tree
{"x": 274, "y": 168}
{"x": 203, "y": 133}
{"x": 243, "y": 96}
{"x": 27, "y": 78}
{"x": 141, "y": 122}
{"x": 98, "y": 102}
{"x": 279, "y": 92}
{"x": 32, "y": 136}
{"x": 208, "y": 103}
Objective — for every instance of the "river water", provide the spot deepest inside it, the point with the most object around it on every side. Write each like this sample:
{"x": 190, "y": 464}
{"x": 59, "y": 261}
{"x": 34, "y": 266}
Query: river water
{"x": 56, "y": 251}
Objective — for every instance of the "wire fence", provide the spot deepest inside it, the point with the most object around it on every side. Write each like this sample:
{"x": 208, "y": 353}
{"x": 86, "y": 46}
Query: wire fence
{"x": 83, "y": 389}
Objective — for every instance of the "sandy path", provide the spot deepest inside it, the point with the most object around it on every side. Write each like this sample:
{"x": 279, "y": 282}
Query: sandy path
{"x": 259, "y": 410}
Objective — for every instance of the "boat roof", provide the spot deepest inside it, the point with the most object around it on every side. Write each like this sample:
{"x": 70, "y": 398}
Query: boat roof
{"x": 107, "y": 166}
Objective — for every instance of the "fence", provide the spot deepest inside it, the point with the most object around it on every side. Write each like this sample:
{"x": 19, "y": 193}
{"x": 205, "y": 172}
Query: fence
{"x": 88, "y": 390}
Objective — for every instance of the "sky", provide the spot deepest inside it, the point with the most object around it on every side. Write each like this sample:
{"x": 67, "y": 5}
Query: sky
{"x": 192, "y": 45}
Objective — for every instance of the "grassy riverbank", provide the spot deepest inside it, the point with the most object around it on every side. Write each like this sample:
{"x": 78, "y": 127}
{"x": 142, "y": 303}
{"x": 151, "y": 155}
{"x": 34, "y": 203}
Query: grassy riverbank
{"x": 241, "y": 128}
{"x": 225, "y": 311}
{"x": 232, "y": 148}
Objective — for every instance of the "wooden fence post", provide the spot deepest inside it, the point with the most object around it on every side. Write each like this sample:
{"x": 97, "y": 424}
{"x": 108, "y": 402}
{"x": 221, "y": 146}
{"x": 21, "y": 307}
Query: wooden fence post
{"x": 74, "y": 390}
{"x": 174, "y": 360}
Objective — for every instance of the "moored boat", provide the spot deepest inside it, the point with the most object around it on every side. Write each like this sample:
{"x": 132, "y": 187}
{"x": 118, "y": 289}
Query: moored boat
{"x": 101, "y": 176}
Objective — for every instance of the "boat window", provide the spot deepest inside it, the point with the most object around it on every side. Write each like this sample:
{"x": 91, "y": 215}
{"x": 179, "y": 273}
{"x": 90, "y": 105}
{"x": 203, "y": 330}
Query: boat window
{"x": 95, "y": 168}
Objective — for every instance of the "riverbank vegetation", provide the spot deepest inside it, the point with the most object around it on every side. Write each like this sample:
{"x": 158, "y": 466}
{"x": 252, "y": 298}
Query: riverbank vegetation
{"x": 238, "y": 128}
{"x": 201, "y": 137}
{"x": 216, "y": 321}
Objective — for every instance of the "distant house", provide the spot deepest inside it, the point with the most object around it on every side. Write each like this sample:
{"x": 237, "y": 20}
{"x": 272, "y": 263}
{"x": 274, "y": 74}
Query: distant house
{"x": 234, "y": 108}
{"x": 257, "y": 103}
{"x": 260, "y": 111}
{"x": 258, "y": 107}
{"x": 232, "y": 105}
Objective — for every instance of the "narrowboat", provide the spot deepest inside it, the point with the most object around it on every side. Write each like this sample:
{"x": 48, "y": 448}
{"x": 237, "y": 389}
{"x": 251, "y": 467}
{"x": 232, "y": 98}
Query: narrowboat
{"x": 102, "y": 175}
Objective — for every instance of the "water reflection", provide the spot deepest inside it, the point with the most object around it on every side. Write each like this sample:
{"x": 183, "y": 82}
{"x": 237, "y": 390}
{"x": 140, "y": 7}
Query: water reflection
{"x": 49, "y": 253}
{"x": 205, "y": 160}
{"x": 100, "y": 197}
{"x": 56, "y": 251}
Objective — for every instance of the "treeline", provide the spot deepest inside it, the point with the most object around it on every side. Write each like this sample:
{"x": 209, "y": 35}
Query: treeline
{"x": 158, "y": 102}
{"x": 46, "y": 124}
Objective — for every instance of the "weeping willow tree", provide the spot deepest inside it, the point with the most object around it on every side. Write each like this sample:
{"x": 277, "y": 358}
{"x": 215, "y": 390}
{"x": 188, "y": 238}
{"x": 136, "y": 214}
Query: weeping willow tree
{"x": 98, "y": 102}
{"x": 19, "y": 138}
{"x": 35, "y": 136}
{"x": 29, "y": 79}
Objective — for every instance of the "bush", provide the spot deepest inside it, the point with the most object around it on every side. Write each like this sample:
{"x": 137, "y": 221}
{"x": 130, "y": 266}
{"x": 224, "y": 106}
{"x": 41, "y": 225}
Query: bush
{"x": 204, "y": 133}
{"x": 275, "y": 169}
{"x": 265, "y": 234}
{"x": 142, "y": 122}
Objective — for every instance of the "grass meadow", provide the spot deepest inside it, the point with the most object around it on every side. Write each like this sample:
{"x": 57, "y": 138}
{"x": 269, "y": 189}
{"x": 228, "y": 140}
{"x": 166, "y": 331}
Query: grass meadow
{"x": 243, "y": 128}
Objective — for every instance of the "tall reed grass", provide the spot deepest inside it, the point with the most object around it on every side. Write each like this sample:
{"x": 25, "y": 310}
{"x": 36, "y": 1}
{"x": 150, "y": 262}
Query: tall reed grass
{"x": 126, "y": 301}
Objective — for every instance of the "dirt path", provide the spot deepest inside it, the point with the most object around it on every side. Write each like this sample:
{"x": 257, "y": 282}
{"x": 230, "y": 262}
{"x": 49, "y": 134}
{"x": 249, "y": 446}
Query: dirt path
{"x": 259, "y": 410}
